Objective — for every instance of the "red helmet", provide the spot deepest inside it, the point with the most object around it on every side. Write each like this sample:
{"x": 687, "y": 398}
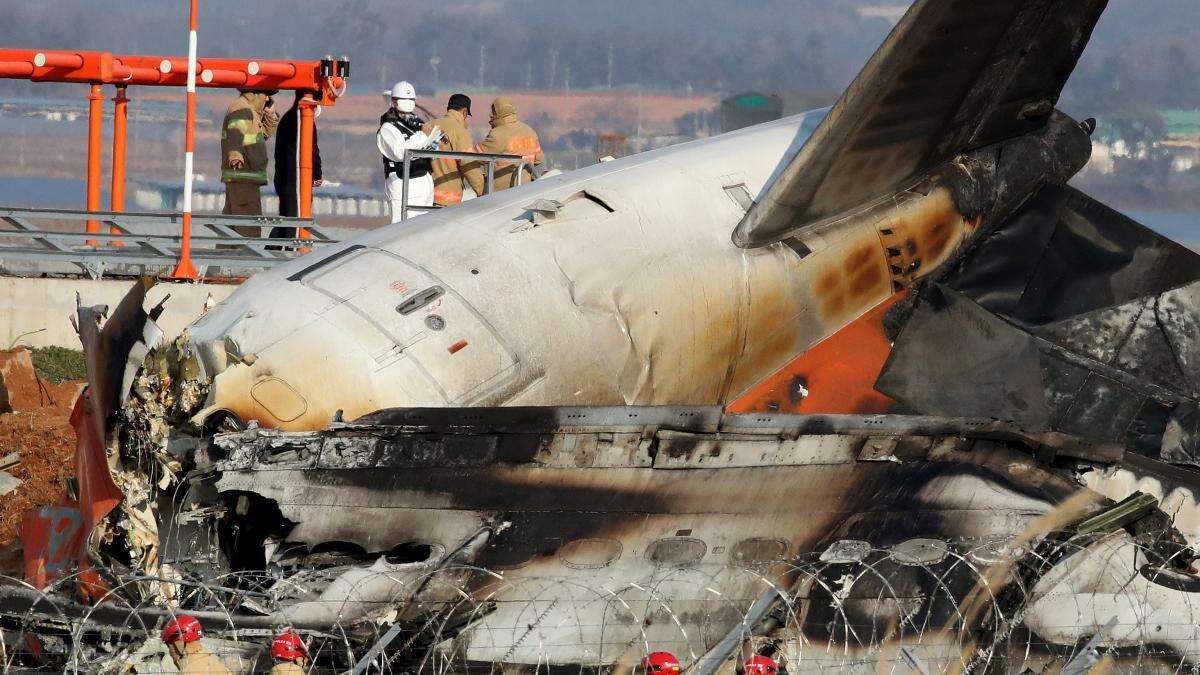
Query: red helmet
{"x": 761, "y": 665}
{"x": 660, "y": 662}
{"x": 182, "y": 628}
{"x": 288, "y": 647}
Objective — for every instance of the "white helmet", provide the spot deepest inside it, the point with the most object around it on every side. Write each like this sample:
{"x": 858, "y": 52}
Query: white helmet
{"x": 404, "y": 97}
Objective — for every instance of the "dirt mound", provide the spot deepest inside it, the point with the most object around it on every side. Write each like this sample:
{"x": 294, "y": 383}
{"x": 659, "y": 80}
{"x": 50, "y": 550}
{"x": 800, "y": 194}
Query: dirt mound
{"x": 36, "y": 424}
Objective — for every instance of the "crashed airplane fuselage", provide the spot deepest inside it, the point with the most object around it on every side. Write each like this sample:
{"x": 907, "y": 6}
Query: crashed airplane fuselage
{"x": 625, "y": 289}
{"x": 689, "y": 276}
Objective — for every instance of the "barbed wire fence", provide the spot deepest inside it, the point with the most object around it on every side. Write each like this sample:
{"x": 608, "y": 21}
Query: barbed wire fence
{"x": 920, "y": 606}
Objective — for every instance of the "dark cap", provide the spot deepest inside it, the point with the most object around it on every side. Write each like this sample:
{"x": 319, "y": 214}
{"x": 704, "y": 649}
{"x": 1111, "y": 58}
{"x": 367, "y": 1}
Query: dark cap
{"x": 459, "y": 102}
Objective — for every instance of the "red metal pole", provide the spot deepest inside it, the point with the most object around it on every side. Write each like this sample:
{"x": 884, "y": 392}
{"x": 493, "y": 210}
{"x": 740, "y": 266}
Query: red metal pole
{"x": 270, "y": 69}
{"x": 184, "y": 269}
{"x": 57, "y": 60}
{"x": 307, "y": 105}
{"x": 16, "y": 69}
{"x": 222, "y": 76}
{"x": 126, "y": 75}
{"x": 95, "y": 118}
{"x": 120, "y": 116}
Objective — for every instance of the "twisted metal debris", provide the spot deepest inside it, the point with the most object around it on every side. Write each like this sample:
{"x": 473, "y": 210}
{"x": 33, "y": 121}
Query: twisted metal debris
{"x": 852, "y": 607}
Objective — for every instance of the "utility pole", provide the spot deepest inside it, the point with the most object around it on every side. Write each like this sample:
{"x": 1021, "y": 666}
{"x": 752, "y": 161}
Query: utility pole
{"x": 482, "y": 63}
{"x": 553, "y": 67}
{"x": 610, "y": 63}
{"x": 639, "y": 118}
{"x": 434, "y": 61}
{"x": 567, "y": 77}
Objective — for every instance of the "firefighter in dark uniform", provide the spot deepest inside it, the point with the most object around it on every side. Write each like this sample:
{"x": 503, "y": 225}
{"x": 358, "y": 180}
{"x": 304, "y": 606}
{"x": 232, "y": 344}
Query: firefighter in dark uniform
{"x": 287, "y": 165}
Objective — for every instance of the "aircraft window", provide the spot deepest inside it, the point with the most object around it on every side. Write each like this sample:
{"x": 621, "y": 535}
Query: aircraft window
{"x": 513, "y": 553}
{"x": 676, "y": 552}
{"x": 758, "y": 550}
{"x": 920, "y": 552}
{"x": 585, "y": 554}
{"x": 740, "y": 195}
{"x": 420, "y": 299}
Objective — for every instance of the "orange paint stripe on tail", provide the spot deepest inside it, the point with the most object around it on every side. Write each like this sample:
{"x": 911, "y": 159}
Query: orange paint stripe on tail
{"x": 837, "y": 375}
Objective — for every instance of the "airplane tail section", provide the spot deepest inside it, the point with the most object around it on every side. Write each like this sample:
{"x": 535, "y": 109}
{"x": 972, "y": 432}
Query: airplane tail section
{"x": 953, "y": 76}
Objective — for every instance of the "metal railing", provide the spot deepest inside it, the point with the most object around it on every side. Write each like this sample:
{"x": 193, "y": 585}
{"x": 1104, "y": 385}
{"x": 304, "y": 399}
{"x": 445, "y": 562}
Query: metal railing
{"x": 146, "y": 243}
{"x": 482, "y": 157}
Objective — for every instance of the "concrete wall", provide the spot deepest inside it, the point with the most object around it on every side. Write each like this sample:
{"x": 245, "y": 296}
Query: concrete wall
{"x": 47, "y": 305}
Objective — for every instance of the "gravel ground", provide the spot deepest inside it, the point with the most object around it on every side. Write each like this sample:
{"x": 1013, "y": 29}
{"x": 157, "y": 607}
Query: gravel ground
{"x": 39, "y": 429}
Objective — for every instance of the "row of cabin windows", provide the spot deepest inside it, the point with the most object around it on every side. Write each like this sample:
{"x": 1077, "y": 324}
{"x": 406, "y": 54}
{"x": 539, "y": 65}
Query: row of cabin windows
{"x": 671, "y": 552}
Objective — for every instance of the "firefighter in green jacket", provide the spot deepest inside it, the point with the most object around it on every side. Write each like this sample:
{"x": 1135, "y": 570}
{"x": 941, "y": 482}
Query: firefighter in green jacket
{"x": 249, "y": 122}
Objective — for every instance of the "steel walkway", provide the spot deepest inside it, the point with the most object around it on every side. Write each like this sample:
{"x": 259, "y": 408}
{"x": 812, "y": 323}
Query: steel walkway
{"x": 56, "y": 241}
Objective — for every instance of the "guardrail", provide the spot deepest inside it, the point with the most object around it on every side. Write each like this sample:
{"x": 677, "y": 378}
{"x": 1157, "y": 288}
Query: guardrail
{"x": 484, "y": 157}
{"x": 147, "y": 243}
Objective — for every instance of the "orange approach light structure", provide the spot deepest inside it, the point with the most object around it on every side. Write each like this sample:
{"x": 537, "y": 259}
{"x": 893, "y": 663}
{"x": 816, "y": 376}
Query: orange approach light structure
{"x": 324, "y": 80}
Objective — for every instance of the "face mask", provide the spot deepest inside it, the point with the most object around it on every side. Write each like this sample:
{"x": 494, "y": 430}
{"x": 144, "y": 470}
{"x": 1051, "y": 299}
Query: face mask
{"x": 404, "y": 105}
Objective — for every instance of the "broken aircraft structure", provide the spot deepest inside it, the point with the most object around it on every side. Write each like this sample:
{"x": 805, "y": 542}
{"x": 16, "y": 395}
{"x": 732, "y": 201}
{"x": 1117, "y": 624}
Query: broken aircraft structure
{"x": 865, "y": 388}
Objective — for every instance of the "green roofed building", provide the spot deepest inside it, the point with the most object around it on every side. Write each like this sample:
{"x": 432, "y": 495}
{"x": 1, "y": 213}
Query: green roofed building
{"x": 749, "y": 108}
{"x": 1182, "y": 124}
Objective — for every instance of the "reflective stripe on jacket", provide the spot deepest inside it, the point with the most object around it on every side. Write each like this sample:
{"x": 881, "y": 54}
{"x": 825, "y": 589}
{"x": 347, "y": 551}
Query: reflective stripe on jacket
{"x": 244, "y": 134}
{"x": 511, "y": 136}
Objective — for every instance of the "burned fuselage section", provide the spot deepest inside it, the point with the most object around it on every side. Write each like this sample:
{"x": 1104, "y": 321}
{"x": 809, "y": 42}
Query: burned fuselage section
{"x": 582, "y": 535}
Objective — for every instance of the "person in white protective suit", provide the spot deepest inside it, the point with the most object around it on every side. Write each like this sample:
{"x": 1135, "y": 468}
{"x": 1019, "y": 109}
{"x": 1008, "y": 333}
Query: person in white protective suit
{"x": 400, "y": 130}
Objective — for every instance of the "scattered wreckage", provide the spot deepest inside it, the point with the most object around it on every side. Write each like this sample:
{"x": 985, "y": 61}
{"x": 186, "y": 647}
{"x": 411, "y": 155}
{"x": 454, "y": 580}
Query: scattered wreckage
{"x": 465, "y": 537}
{"x": 864, "y": 389}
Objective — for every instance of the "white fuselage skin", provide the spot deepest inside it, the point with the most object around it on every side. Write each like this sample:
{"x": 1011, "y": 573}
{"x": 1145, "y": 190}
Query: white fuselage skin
{"x": 633, "y": 293}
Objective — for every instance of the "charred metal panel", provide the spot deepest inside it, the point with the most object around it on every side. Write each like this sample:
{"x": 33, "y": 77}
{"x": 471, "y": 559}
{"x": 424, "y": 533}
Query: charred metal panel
{"x": 1068, "y": 316}
{"x": 955, "y": 358}
{"x": 1181, "y": 440}
{"x": 540, "y": 419}
{"x": 1065, "y": 255}
{"x": 106, "y": 349}
{"x": 678, "y": 450}
{"x": 434, "y": 482}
